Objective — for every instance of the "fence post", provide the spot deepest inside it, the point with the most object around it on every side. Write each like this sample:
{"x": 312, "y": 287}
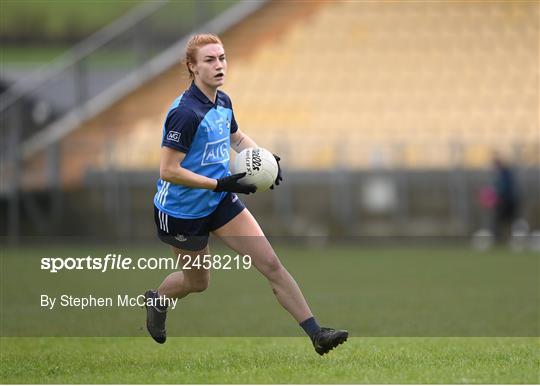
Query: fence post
{"x": 283, "y": 196}
{"x": 54, "y": 183}
{"x": 341, "y": 196}
{"x": 81, "y": 89}
{"x": 401, "y": 177}
{"x": 458, "y": 190}
{"x": 14, "y": 160}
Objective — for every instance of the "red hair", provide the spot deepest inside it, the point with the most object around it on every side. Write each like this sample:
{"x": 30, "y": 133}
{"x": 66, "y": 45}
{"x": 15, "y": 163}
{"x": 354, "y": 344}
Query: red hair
{"x": 193, "y": 45}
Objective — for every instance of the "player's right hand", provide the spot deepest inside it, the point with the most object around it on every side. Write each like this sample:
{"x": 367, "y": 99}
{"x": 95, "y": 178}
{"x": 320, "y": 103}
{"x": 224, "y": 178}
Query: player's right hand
{"x": 231, "y": 184}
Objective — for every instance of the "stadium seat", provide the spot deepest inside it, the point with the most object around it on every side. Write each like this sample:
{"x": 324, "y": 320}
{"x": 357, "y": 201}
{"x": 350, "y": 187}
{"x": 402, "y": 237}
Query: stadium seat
{"x": 343, "y": 80}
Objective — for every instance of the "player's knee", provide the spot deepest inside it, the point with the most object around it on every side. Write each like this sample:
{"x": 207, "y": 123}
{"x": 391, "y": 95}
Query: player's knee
{"x": 272, "y": 266}
{"x": 199, "y": 285}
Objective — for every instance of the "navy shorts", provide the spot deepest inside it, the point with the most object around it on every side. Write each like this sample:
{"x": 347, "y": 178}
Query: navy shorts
{"x": 193, "y": 234}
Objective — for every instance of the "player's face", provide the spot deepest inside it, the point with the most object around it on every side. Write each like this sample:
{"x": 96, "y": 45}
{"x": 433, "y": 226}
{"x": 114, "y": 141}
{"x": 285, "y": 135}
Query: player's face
{"x": 211, "y": 65}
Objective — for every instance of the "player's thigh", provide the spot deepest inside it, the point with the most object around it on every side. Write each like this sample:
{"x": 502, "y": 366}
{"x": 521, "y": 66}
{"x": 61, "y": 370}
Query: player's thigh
{"x": 244, "y": 235}
{"x": 191, "y": 264}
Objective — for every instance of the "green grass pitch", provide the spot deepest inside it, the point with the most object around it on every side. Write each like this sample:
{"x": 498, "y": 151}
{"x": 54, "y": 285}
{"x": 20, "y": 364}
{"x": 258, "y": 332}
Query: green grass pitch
{"x": 412, "y": 313}
{"x": 269, "y": 360}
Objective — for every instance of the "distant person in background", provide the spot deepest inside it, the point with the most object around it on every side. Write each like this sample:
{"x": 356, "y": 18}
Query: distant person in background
{"x": 507, "y": 200}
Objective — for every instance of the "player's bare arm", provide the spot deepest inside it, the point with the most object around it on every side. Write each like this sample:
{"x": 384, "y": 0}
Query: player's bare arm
{"x": 241, "y": 141}
{"x": 171, "y": 171}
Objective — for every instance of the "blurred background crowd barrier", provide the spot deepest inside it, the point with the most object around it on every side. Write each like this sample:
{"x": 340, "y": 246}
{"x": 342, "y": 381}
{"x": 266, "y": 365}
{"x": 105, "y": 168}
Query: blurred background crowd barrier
{"x": 388, "y": 116}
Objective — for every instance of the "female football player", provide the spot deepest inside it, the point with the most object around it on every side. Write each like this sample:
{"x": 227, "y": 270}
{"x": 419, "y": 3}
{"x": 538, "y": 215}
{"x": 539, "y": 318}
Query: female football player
{"x": 196, "y": 195}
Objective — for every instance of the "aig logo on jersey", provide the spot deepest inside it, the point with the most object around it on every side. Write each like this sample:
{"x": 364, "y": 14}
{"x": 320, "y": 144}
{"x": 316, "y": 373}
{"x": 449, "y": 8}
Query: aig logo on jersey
{"x": 173, "y": 136}
{"x": 216, "y": 152}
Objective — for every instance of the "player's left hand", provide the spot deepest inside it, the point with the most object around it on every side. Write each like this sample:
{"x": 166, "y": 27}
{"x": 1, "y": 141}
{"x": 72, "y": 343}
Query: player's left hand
{"x": 279, "y": 178}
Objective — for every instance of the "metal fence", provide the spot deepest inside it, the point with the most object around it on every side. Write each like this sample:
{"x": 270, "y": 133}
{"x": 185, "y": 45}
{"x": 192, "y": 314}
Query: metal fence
{"x": 117, "y": 205}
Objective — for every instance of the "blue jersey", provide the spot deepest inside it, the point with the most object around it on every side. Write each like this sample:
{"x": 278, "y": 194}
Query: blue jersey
{"x": 201, "y": 129}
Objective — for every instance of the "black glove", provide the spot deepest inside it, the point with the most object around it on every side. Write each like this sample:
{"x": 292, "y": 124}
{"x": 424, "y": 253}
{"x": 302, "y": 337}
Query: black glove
{"x": 278, "y": 178}
{"x": 231, "y": 184}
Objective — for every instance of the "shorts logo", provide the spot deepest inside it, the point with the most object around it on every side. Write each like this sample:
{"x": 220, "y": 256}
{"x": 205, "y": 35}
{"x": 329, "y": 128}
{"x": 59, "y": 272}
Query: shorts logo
{"x": 181, "y": 238}
{"x": 173, "y": 136}
{"x": 216, "y": 152}
{"x": 234, "y": 197}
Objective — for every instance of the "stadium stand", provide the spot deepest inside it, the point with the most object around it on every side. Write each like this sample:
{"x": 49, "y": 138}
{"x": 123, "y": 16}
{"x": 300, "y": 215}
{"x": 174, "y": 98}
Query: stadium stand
{"x": 354, "y": 85}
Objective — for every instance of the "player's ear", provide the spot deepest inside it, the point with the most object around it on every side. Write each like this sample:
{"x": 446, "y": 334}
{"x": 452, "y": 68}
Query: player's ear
{"x": 193, "y": 67}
